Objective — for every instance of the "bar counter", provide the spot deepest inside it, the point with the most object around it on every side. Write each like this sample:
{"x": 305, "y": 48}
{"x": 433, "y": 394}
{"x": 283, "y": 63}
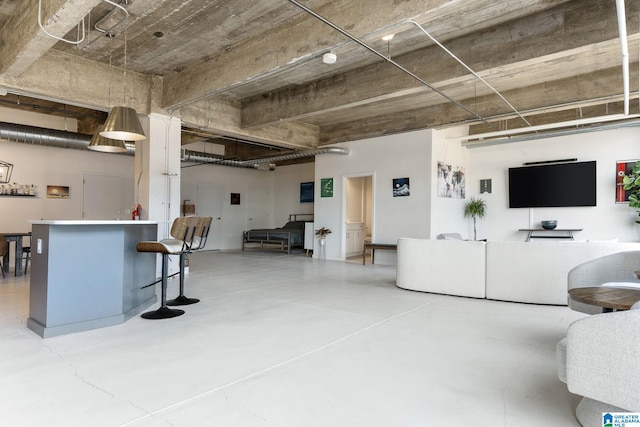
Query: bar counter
{"x": 88, "y": 274}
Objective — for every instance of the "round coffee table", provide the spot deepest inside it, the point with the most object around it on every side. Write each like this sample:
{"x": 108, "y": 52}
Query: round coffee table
{"x": 609, "y": 298}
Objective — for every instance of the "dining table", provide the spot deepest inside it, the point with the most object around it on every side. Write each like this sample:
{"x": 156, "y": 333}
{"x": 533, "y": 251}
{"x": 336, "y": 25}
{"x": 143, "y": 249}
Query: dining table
{"x": 16, "y": 238}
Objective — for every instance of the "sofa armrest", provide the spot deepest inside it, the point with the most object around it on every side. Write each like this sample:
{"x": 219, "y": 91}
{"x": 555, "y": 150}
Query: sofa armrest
{"x": 603, "y": 358}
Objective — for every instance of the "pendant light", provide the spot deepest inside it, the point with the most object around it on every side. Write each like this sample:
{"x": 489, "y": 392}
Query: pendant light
{"x": 106, "y": 145}
{"x": 123, "y": 122}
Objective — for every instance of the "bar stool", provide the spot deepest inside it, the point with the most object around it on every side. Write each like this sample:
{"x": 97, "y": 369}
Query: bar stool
{"x": 198, "y": 242}
{"x": 182, "y": 230}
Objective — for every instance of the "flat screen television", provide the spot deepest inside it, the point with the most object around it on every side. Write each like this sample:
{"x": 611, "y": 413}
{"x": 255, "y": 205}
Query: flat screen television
{"x": 556, "y": 185}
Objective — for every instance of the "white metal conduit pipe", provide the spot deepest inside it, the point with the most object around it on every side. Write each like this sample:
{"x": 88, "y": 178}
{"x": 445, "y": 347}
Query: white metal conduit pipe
{"x": 476, "y": 75}
{"x": 624, "y": 46}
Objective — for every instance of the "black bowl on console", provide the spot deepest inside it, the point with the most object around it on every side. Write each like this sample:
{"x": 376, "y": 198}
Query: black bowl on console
{"x": 549, "y": 224}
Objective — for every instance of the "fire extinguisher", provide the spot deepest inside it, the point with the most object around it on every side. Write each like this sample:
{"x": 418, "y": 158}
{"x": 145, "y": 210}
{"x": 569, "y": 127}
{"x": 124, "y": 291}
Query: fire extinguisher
{"x": 136, "y": 212}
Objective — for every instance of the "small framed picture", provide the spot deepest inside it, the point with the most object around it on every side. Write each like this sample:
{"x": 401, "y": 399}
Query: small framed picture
{"x": 306, "y": 192}
{"x": 235, "y": 198}
{"x": 401, "y": 187}
{"x": 326, "y": 187}
{"x": 58, "y": 192}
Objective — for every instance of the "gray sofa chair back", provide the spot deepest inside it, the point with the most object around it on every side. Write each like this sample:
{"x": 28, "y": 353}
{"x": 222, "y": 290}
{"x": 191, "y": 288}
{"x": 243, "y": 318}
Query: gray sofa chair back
{"x": 618, "y": 267}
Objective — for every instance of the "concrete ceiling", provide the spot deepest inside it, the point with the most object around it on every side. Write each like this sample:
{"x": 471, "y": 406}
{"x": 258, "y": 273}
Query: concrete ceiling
{"x": 252, "y": 70}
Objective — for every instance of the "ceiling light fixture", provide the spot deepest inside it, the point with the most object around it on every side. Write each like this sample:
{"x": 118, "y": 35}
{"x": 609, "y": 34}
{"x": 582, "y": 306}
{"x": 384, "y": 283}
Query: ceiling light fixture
{"x": 329, "y": 58}
{"x": 123, "y": 123}
{"x": 106, "y": 145}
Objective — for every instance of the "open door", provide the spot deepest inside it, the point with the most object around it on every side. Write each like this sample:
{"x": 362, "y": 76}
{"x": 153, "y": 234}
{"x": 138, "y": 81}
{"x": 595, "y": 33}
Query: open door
{"x": 359, "y": 214}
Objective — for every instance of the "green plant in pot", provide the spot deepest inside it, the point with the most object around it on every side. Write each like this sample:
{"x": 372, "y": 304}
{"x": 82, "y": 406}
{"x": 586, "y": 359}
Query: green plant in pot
{"x": 631, "y": 182}
{"x": 475, "y": 208}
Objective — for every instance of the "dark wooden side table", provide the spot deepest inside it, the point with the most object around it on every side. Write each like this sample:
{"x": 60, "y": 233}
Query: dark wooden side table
{"x": 608, "y": 298}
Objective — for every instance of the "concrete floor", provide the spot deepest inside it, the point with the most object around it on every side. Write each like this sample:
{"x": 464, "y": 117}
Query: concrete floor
{"x": 283, "y": 340}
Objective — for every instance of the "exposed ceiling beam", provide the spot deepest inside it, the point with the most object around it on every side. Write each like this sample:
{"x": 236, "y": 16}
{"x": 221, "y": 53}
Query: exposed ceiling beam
{"x": 560, "y": 48}
{"x": 22, "y": 42}
{"x": 287, "y": 46}
{"x": 580, "y": 90}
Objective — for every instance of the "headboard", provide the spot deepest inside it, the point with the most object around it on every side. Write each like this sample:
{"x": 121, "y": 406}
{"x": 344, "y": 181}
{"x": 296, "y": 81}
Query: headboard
{"x": 301, "y": 217}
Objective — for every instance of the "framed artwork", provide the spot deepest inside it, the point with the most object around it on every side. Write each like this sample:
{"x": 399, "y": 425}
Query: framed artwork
{"x": 5, "y": 172}
{"x": 623, "y": 167}
{"x": 485, "y": 186}
{"x": 306, "y": 192}
{"x": 58, "y": 192}
{"x": 401, "y": 187}
{"x": 326, "y": 187}
{"x": 235, "y": 198}
{"x": 451, "y": 181}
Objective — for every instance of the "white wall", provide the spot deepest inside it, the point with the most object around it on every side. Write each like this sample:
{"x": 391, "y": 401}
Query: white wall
{"x": 447, "y": 214}
{"x": 605, "y": 221}
{"x": 277, "y": 192}
{"x": 400, "y": 156}
{"x": 286, "y": 191}
{"x": 44, "y": 166}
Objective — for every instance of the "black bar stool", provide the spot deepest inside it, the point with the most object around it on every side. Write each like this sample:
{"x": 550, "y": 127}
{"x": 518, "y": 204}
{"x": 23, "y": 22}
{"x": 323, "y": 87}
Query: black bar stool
{"x": 198, "y": 242}
{"x": 185, "y": 228}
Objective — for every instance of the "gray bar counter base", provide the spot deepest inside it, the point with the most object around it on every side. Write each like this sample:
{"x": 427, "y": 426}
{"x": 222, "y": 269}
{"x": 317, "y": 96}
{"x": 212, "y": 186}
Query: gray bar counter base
{"x": 89, "y": 275}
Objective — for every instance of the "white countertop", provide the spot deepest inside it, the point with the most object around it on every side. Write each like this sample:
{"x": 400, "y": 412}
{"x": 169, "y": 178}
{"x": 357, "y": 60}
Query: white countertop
{"x": 88, "y": 222}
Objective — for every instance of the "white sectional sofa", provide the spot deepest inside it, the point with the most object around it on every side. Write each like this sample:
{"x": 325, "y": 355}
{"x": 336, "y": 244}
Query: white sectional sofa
{"x": 530, "y": 272}
{"x": 454, "y": 267}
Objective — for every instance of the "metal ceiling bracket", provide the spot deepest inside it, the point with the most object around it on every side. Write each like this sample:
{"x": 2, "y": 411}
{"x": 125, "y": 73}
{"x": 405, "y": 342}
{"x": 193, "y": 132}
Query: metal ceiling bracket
{"x": 54, "y": 36}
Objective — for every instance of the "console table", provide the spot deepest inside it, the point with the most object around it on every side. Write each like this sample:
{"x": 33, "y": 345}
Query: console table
{"x": 373, "y": 247}
{"x": 568, "y": 233}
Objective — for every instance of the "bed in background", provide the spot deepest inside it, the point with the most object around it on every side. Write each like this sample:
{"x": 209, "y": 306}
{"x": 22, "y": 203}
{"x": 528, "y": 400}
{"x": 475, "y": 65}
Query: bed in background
{"x": 291, "y": 235}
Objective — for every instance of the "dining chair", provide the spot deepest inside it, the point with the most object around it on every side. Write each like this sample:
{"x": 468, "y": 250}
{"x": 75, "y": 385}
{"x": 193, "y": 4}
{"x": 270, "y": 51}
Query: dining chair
{"x": 4, "y": 247}
{"x": 26, "y": 254}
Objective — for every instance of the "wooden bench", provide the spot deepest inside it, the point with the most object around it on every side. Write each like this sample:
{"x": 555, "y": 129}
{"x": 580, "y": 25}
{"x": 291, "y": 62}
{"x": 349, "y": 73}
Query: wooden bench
{"x": 373, "y": 247}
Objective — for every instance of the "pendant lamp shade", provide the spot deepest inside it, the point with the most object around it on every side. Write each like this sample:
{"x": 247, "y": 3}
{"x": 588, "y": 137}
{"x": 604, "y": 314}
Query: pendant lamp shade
{"x": 106, "y": 145}
{"x": 123, "y": 124}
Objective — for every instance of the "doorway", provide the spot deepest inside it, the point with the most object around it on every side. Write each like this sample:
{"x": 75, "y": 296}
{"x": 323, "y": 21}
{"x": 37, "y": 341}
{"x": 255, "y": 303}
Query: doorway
{"x": 358, "y": 215}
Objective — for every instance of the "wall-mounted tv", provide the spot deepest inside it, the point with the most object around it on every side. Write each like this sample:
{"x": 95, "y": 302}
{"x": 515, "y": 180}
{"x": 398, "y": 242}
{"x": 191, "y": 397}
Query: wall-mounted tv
{"x": 555, "y": 185}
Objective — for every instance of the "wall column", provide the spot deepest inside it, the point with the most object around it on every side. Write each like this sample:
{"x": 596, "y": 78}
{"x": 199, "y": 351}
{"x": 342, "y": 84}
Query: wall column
{"x": 157, "y": 172}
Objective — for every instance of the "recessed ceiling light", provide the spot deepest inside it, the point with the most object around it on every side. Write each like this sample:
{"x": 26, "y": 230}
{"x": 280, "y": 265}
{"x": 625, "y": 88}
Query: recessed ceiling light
{"x": 329, "y": 58}
{"x": 388, "y": 37}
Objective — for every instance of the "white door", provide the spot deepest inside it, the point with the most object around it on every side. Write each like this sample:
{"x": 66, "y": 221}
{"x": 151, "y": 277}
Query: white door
{"x": 258, "y": 210}
{"x": 210, "y": 202}
{"x": 103, "y": 197}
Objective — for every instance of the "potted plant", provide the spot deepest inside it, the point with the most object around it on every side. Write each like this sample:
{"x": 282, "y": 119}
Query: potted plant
{"x": 322, "y": 232}
{"x": 475, "y": 208}
{"x": 631, "y": 182}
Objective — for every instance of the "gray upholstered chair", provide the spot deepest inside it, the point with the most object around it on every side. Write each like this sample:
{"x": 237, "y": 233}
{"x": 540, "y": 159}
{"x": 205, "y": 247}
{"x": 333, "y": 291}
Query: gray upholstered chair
{"x": 449, "y": 236}
{"x": 615, "y": 268}
{"x": 600, "y": 360}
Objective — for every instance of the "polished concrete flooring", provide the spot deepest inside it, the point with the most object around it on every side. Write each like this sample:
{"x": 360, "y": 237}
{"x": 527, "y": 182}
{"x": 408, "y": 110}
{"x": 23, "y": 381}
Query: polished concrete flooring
{"x": 283, "y": 340}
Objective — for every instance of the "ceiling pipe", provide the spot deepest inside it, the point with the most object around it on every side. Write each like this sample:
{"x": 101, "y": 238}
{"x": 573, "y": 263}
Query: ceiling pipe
{"x": 548, "y": 126}
{"x": 624, "y": 46}
{"x": 62, "y": 139}
{"x": 550, "y": 134}
{"x": 263, "y": 163}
